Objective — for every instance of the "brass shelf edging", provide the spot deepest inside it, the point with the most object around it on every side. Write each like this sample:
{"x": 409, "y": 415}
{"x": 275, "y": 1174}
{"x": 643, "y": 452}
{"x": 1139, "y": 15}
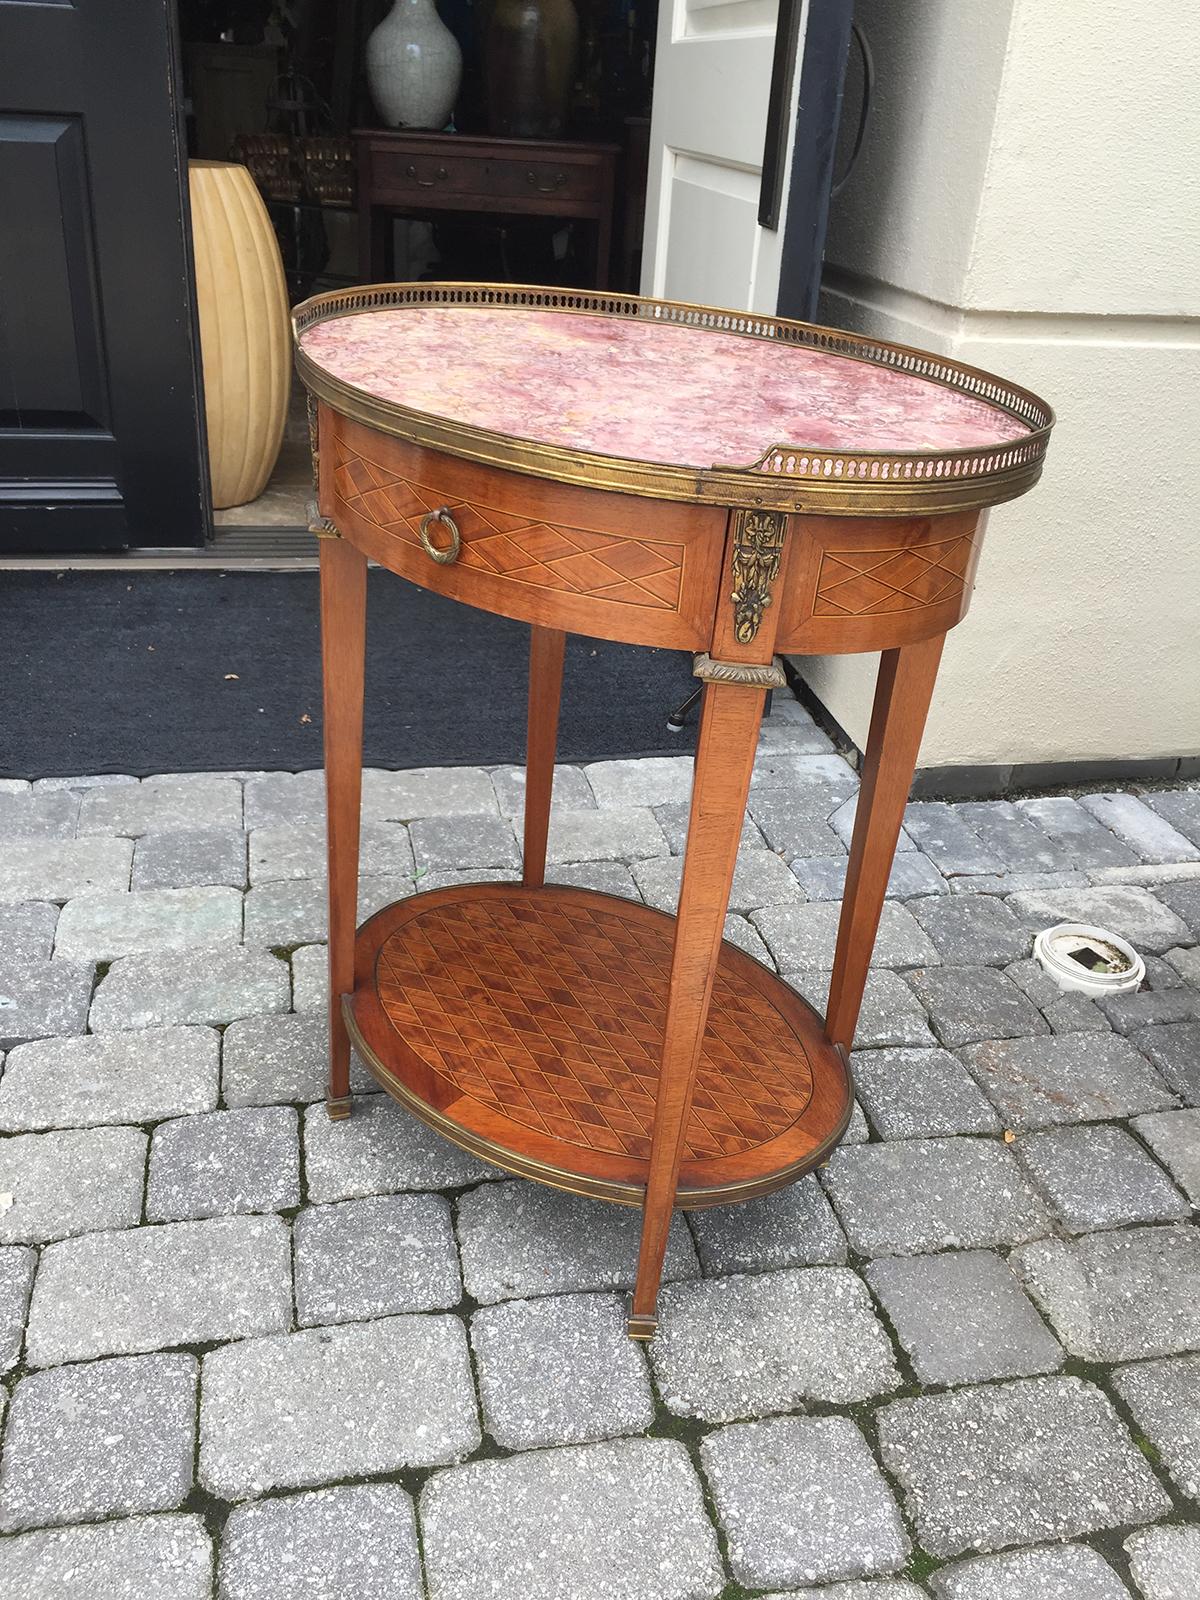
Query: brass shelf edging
{"x": 786, "y": 477}
{"x": 626, "y": 1194}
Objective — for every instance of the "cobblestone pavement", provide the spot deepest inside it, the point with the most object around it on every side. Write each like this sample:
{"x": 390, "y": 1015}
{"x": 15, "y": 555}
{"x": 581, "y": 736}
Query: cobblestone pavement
{"x": 252, "y": 1354}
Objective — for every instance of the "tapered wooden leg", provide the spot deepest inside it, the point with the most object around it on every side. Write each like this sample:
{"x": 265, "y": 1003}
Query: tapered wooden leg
{"x": 729, "y": 721}
{"x": 546, "y": 649}
{"x": 343, "y": 640}
{"x": 902, "y": 695}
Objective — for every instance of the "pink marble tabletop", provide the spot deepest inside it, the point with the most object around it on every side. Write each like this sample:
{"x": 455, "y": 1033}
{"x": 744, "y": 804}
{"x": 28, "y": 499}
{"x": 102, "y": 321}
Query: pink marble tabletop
{"x": 641, "y": 390}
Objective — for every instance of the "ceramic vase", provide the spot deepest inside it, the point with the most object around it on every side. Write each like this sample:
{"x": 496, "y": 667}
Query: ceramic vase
{"x": 529, "y": 64}
{"x": 414, "y": 66}
{"x": 245, "y": 345}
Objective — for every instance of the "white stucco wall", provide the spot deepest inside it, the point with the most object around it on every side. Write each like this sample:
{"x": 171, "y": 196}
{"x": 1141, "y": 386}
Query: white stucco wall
{"x": 1027, "y": 202}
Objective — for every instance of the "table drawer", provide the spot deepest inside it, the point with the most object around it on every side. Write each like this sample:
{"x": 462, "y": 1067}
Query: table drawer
{"x": 613, "y": 566}
{"x": 431, "y": 178}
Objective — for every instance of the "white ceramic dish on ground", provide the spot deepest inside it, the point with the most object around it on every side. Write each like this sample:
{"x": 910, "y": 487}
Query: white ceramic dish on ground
{"x": 1088, "y": 960}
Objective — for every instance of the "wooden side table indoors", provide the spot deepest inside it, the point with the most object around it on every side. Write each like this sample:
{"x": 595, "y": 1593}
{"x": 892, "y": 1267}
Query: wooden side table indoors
{"x": 418, "y": 174}
{"x": 663, "y": 475}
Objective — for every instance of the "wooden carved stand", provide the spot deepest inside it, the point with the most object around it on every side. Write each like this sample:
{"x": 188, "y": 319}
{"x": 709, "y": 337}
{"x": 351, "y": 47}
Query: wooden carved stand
{"x": 582, "y": 1040}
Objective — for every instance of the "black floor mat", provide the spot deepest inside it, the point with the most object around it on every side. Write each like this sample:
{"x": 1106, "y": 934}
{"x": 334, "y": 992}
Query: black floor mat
{"x": 189, "y": 671}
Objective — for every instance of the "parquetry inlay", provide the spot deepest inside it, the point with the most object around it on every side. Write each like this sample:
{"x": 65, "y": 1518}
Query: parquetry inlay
{"x": 867, "y": 583}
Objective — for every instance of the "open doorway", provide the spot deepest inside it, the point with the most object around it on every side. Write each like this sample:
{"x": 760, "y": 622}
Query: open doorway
{"x": 284, "y": 88}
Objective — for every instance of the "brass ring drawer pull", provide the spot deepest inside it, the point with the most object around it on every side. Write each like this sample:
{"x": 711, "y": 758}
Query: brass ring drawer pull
{"x": 442, "y": 554}
{"x": 439, "y": 176}
{"x": 552, "y": 187}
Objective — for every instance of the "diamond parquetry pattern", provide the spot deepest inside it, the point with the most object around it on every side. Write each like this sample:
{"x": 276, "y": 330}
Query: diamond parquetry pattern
{"x": 864, "y": 583}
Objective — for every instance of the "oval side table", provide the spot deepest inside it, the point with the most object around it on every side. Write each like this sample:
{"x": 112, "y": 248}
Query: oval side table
{"x": 658, "y": 474}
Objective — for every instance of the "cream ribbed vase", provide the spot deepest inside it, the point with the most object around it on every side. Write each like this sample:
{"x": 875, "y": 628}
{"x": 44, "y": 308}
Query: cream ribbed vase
{"x": 241, "y": 296}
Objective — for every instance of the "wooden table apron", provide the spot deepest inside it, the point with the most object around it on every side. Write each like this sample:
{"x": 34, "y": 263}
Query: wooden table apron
{"x": 578, "y": 1039}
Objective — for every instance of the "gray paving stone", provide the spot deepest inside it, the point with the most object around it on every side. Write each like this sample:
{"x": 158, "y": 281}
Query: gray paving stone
{"x": 25, "y": 815}
{"x": 39, "y": 999}
{"x": 158, "y": 807}
{"x": 794, "y": 1227}
{"x": 1181, "y": 808}
{"x": 109, "y": 1078}
{"x": 1174, "y": 1136}
{"x": 793, "y": 823}
{"x": 1036, "y": 1083}
{"x": 380, "y": 1149}
{"x": 1087, "y": 842}
{"x": 281, "y": 853}
{"x": 425, "y": 792}
{"x": 1045, "y": 1458}
{"x": 741, "y": 932}
{"x": 284, "y": 799}
{"x": 1184, "y": 900}
{"x": 804, "y": 936}
{"x": 1164, "y": 1398}
{"x": 1099, "y": 1177}
{"x": 802, "y": 1502}
{"x": 1143, "y": 830}
{"x": 1187, "y": 965}
{"x": 571, "y": 789}
{"x": 944, "y": 835}
{"x": 70, "y": 1182}
{"x": 518, "y": 1239}
{"x": 760, "y": 878}
{"x": 842, "y": 823}
{"x": 1054, "y": 1572}
{"x": 278, "y": 1060}
{"x": 61, "y": 869}
{"x": 147, "y": 1288}
{"x": 169, "y": 1557}
{"x": 624, "y": 833}
{"x": 804, "y": 775}
{"x": 963, "y": 1317}
{"x": 891, "y": 1014}
{"x": 1174, "y": 1048}
{"x": 447, "y": 843}
{"x": 884, "y": 1589}
{"x": 1118, "y": 1296}
{"x": 1143, "y": 1008}
{"x": 296, "y": 911}
{"x": 729, "y": 1348}
{"x": 374, "y": 1258}
{"x": 27, "y": 931}
{"x": 15, "y": 786}
{"x": 673, "y": 820}
{"x": 909, "y": 1197}
{"x": 109, "y": 1438}
{"x": 449, "y": 878}
{"x": 912, "y": 874}
{"x": 87, "y": 781}
{"x": 910, "y": 1094}
{"x": 223, "y": 1163}
{"x": 306, "y": 1408}
{"x": 16, "y": 1279}
{"x": 559, "y": 1370}
{"x": 1015, "y": 837}
{"x": 1152, "y": 877}
{"x": 1025, "y": 882}
{"x": 608, "y": 877}
{"x": 101, "y": 927}
{"x": 799, "y": 734}
{"x": 974, "y": 930}
{"x": 215, "y": 985}
{"x": 310, "y": 978}
{"x": 1134, "y": 913}
{"x": 190, "y": 857}
{"x": 357, "y": 1541}
{"x": 618, "y": 1521}
{"x": 1165, "y": 1563}
{"x": 857, "y": 1131}
{"x": 648, "y": 781}
{"x": 972, "y": 1003}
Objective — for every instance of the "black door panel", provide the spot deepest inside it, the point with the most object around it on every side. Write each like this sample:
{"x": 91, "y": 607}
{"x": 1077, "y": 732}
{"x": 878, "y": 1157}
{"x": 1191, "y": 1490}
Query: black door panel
{"x": 100, "y": 433}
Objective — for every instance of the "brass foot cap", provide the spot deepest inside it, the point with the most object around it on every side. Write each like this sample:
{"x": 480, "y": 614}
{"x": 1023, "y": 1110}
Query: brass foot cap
{"x": 642, "y": 1327}
{"x": 338, "y": 1110}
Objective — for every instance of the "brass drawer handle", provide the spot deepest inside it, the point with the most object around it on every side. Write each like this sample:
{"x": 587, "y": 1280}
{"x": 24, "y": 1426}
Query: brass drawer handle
{"x": 427, "y": 183}
{"x": 555, "y": 184}
{"x": 443, "y": 555}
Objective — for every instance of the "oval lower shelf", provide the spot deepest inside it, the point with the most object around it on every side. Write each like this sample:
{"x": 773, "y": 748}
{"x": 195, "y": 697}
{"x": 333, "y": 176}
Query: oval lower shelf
{"x": 526, "y": 1025}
